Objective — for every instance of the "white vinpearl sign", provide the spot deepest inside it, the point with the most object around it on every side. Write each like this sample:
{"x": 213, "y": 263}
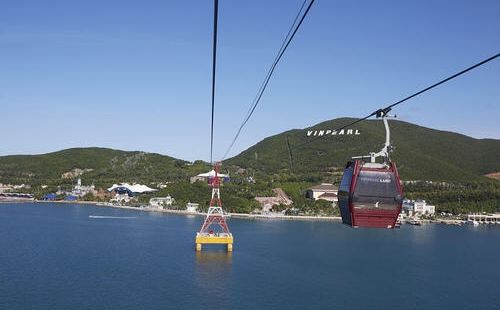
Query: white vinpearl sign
{"x": 326, "y": 132}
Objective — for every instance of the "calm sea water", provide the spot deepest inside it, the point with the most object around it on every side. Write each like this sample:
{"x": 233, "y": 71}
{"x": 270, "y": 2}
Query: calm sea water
{"x": 56, "y": 257}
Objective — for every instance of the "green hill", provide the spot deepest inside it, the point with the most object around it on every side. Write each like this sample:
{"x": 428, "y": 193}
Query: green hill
{"x": 101, "y": 166}
{"x": 421, "y": 153}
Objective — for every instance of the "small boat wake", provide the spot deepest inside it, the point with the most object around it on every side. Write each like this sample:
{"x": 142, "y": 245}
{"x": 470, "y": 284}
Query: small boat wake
{"x": 111, "y": 217}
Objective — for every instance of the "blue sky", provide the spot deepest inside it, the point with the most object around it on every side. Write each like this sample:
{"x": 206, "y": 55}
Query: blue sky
{"x": 136, "y": 75}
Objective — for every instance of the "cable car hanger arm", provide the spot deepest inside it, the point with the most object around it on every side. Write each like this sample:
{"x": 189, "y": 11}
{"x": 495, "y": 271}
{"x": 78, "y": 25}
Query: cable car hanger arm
{"x": 387, "y": 149}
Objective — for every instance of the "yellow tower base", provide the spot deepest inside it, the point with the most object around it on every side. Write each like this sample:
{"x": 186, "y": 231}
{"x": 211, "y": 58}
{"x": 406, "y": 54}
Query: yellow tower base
{"x": 221, "y": 238}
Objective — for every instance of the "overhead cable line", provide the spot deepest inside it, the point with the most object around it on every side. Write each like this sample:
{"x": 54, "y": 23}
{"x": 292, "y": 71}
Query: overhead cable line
{"x": 442, "y": 81}
{"x": 389, "y": 107}
{"x": 214, "y": 55}
{"x": 275, "y": 58}
{"x": 288, "y": 39}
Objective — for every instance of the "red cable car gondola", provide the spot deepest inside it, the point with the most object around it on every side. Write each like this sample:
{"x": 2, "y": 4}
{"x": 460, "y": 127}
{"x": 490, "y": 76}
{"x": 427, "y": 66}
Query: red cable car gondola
{"x": 370, "y": 193}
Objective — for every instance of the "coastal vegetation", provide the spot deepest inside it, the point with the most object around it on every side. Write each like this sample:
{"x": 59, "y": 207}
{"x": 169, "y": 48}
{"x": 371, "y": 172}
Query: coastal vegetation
{"x": 458, "y": 198}
{"x": 101, "y": 167}
{"x": 446, "y": 169}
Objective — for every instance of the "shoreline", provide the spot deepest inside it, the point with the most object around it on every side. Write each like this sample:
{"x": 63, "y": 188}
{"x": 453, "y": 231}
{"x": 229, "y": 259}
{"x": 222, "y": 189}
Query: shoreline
{"x": 230, "y": 215}
{"x": 183, "y": 212}
{"x": 235, "y": 215}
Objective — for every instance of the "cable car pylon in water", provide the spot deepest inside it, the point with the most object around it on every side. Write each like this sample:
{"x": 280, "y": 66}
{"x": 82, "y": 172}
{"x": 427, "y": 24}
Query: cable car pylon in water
{"x": 214, "y": 229}
{"x": 370, "y": 193}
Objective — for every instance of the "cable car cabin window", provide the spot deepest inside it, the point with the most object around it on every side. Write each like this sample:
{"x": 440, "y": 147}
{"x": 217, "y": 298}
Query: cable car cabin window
{"x": 345, "y": 183}
{"x": 376, "y": 190}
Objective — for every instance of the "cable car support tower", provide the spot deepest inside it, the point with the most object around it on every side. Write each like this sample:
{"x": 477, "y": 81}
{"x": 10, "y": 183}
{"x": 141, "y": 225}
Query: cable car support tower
{"x": 214, "y": 229}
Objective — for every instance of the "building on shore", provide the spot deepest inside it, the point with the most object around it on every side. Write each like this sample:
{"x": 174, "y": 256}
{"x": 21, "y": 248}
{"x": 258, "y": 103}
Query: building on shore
{"x": 5, "y": 187}
{"x": 13, "y": 197}
{"x": 325, "y": 191}
{"x": 418, "y": 208}
{"x": 267, "y": 203}
{"x": 125, "y": 192}
{"x": 484, "y": 218}
{"x": 161, "y": 202}
{"x": 11, "y": 187}
{"x": 81, "y": 190}
{"x": 192, "y": 207}
{"x": 50, "y": 197}
{"x": 71, "y": 198}
{"x": 78, "y": 191}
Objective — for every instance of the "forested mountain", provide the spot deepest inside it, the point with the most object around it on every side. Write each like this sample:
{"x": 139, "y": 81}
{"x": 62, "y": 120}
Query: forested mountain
{"x": 100, "y": 166}
{"x": 421, "y": 153}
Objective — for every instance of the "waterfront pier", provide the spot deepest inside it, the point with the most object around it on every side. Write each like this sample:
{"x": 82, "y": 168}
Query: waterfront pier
{"x": 484, "y": 218}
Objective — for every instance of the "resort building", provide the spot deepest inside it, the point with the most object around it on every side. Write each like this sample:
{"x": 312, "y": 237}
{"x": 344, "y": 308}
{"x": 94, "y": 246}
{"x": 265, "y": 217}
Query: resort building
{"x": 418, "y": 207}
{"x": 267, "y": 203}
{"x": 50, "y": 197}
{"x": 484, "y": 218}
{"x": 5, "y": 187}
{"x": 10, "y": 187}
{"x": 78, "y": 191}
{"x": 12, "y": 197}
{"x": 192, "y": 207}
{"x": 125, "y": 192}
{"x": 325, "y": 191}
{"x": 161, "y": 202}
{"x": 82, "y": 190}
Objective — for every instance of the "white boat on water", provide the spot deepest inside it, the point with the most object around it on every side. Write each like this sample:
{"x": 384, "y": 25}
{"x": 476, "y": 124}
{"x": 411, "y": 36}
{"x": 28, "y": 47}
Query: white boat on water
{"x": 414, "y": 221}
{"x": 111, "y": 217}
{"x": 473, "y": 222}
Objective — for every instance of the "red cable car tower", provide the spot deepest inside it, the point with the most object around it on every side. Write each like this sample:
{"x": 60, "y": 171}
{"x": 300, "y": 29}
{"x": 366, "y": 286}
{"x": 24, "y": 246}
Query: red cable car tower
{"x": 214, "y": 229}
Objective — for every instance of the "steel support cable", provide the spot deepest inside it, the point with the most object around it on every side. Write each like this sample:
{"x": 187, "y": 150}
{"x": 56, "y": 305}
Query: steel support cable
{"x": 389, "y": 107}
{"x": 214, "y": 55}
{"x": 269, "y": 75}
{"x": 276, "y": 57}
